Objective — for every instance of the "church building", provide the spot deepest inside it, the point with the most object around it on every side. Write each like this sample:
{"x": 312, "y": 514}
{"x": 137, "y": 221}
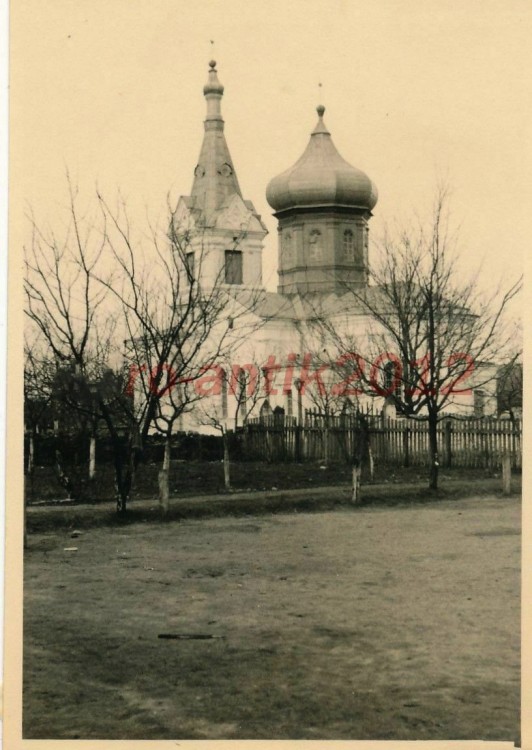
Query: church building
{"x": 323, "y": 207}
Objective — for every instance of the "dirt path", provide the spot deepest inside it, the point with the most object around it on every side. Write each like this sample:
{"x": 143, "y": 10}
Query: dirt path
{"x": 374, "y": 623}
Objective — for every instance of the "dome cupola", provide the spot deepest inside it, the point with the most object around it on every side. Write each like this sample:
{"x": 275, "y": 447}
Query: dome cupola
{"x": 321, "y": 178}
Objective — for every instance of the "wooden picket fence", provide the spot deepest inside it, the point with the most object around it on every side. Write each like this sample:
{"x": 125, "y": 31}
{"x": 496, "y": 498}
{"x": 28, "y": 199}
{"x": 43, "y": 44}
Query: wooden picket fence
{"x": 466, "y": 442}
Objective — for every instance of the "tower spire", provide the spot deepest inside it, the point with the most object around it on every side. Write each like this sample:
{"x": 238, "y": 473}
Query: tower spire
{"x": 213, "y": 91}
{"x": 230, "y": 231}
{"x": 215, "y": 180}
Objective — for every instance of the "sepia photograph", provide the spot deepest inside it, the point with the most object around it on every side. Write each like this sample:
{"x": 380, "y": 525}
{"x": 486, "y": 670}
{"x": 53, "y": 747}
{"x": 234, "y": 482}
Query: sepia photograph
{"x": 265, "y": 370}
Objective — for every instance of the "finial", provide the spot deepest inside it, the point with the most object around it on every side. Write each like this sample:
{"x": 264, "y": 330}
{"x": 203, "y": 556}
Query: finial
{"x": 213, "y": 85}
{"x": 320, "y": 128}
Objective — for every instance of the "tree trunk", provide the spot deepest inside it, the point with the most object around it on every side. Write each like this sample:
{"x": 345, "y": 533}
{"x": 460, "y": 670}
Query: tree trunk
{"x": 355, "y": 494}
{"x": 326, "y": 443}
{"x": 164, "y": 478}
{"x": 92, "y": 458}
{"x": 514, "y": 438}
{"x": 31, "y": 455}
{"x": 227, "y": 465}
{"x": 29, "y": 475}
{"x": 507, "y": 474}
{"x": 124, "y": 472}
{"x": 371, "y": 462}
{"x": 122, "y": 487}
{"x": 125, "y": 460}
{"x": 406, "y": 446}
{"x": 433, "y": 449}
{"x": 62, "y": 476}
{"x": 365, "y": 453}
{"x": 30, "y": 469}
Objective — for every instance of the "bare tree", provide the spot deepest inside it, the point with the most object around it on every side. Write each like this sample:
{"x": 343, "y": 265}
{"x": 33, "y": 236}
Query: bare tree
{"x": 126, "y": 314}
{"x": 177, "y": 327}
{"x": 65, "y": 309}
{"x": 39, "y": 374}
{"x": 429, "y": 328}
{"x": 240, "y": 391}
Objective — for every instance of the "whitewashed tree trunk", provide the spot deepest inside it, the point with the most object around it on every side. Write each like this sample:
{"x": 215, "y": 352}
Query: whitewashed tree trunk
{"x": 355, "y": 494}
{"x": 507, "y": 474}
{"x": 31, "y": 455}
{"x": 167, "y": 455}
{"x": 92, "y": 458}
{"x": 371, "y": 463}
{"x": 164, "y": 479}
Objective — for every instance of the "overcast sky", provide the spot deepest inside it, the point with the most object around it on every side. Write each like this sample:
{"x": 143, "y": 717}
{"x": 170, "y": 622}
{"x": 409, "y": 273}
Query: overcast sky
{"x": 112, "y": 89}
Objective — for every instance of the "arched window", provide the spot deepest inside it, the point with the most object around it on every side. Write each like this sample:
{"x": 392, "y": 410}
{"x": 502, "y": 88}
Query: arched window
{"x": 287, "y": 248}
{"x": 289, "y": 404}
{"x": 349, "y": 245}
{"x": 315, "y": 246}
{"x": 233, "y": 267}
{"x": 265, "y": 411}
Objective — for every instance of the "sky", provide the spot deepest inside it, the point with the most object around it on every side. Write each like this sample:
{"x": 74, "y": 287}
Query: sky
{"x": 112, "y": 90}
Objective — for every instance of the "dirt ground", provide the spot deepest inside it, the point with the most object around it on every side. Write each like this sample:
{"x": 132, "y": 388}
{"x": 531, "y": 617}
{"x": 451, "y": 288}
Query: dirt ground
{"x": 367, "y": 623}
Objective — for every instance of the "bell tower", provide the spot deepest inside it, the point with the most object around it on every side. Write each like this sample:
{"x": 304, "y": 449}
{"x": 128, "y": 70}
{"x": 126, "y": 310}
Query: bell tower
{"x": 226, "y": 231}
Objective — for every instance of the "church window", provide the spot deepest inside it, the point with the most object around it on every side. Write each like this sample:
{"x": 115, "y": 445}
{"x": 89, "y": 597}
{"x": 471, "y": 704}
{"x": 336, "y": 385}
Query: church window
{"x": 265, "y": 411}
{"x": 315, "y": 245}
{"x": 233, "y": 267}
{"x": 349, "y": 245}
{"x": 287, "y": 247}
{"x": 289, "y": 404}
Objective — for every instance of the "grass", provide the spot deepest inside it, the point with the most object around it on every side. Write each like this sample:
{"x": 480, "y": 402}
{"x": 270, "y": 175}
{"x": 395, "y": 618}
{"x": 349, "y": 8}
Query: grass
{"x": 190, "y": 478}
{"x": 398, "y": 489}
{"x": 369, "y": 623}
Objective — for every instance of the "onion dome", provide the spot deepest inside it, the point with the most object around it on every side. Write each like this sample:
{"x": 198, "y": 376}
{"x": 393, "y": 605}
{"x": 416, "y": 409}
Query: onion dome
{"x": 321, "y": 177}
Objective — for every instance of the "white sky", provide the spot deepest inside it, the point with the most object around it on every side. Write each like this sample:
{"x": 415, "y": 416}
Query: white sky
{"x": 112, "y": 89}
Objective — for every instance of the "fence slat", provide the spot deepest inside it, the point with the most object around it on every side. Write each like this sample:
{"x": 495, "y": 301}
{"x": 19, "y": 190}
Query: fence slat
{"x": 463, "y": 442}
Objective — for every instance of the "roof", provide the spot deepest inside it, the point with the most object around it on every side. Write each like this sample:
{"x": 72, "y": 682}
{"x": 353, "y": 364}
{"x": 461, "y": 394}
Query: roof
{"x": 321, "y": 177}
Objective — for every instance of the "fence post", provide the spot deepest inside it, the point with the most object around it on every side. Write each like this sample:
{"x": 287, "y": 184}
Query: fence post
{"x": 507, "y": 474}
{"x": 514, "y": 444}
{"x": 448, "y": 431}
